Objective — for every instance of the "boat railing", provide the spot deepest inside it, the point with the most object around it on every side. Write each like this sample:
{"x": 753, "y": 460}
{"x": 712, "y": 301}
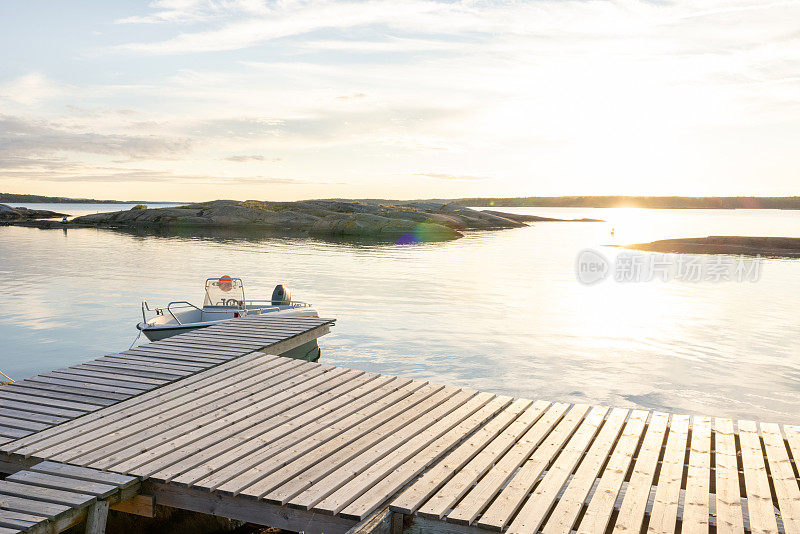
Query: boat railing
{"x": 260, "y": 306}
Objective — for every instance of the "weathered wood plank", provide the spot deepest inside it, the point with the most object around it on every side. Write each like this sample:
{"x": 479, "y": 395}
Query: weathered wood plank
{"x": 62, "y": 483}
{"x": 28, "y": 506}
{"x": 389, "y": 484}
{"x": 729, "y": 502}
{"x": 15, "y": 433}
{"x": 34, "y": 398}
{"x": 500, "y": 512}
{"x": 664, "y": 515}
{"x": 33, "y": 417}
{"x": 82, "y": 473}
{"x": 95, "y": 394}
{"x": 254, "y": 469}
{"x": 360, "y": 456}
{"x": 55, "y": 496}
{"x": 631, "y": 513}
{"x": 245, "y": 367}
{"x": 257, "y": 430}
{"x": 158, "y": 441}
{"x": 228, "y": 462}
{"x": 490, "y": 485}
{"x": 39, "y": 408}
{"x": 158, "y": 424}
{"x": 532, "y": 514}
{"x": 22, "y": 424}
{"x": 23, "y": 388}
{"x": 569, "y": 505}
{"x": 480, "y": 451}
{"x": 698, "y": 479}
{"x": 91, "y": 381}
{"x": 18, "y": 520}
{"x": 759, "y": 498}
{"x": 345, "y": 446}
{"x": 783, "y": 478}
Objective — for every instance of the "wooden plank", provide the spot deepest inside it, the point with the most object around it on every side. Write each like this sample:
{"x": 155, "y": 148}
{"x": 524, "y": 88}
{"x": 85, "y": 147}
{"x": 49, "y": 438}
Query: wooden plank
{"x": 729, "y": 502}
{"x": 81, "y": 380}
{"x": 16, "y": 433}
{"x": 783, "y": 478}
{"x": 482, "y": 449}
{"x": 532, "y": 514}
{"x": 569, "y": 505}
{"x": 125, "y": 432}
{"x": 56, "y": 392}
{"x": 85, "y": 372}
{"x": 664, "y": 515}
{"x": 186, "y": 353}
{"x": 157, "y": 441}
{"x": 346, "y": 445}
{"x": 22, "y": 424}
{"x": 490, "y": 485}
{"x": 62, "y": 483}
{"x": 390, "y": 483}
{"x": 55, "y": 496}
{"x": 18, "y": 520}
{"x": 254, "y": 468}
{"x": 82, "y": 473}
{"x": 349, "y": 465}
{"x": 793, "y": 440}
{"x": 333, "y": 492}
{"x": 257, "y": 430}
{"x": 227, "y": 462}
{"x": 30, "y": 416}
{"x": 39, "y": 401}
{"x": 759, "y": 498}
{"x": 698, "y": 479}
{"x": 156, "y": 362}
{"x": 175, "y": 392}
{"x": 39, "y": 408}
{"x": 101, "y": 392}
{"x": 631, "y": 512}
{"x": 28, "y": 506}
{"x": 500, "y": 512}
{"x": 138, "y": 371}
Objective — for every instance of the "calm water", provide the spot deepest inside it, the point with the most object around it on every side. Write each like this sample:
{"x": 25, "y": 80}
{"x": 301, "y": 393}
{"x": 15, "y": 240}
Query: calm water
{"x": 499, "y": 311}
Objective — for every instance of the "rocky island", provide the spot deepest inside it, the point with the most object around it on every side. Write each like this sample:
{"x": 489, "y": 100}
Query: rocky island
{"x": 416, "y": 220}
{"x": 7, "y": 213}
{"x": 780, "y": 247}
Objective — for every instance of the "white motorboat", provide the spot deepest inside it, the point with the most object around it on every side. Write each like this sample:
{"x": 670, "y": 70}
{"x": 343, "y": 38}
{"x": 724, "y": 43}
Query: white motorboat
{"x": 224, "y": 300}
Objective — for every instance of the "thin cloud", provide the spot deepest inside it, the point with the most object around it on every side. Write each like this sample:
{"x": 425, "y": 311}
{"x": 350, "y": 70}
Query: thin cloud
{"x": 20, "y": 136}
{"x": 246, "y": 158}
{"x": 445, "y": 176}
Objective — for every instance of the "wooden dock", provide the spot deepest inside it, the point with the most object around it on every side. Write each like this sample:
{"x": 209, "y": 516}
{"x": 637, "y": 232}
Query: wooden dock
{"x": 53, "y": 398}
{"x": 317, "y": 448}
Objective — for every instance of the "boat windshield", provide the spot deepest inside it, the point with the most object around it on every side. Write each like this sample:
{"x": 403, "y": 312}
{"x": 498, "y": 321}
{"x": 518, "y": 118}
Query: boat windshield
{"x": 224, "y": 291}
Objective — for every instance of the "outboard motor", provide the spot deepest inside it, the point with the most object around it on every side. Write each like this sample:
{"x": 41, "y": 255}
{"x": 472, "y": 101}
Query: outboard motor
{"x": 281, "y": 295}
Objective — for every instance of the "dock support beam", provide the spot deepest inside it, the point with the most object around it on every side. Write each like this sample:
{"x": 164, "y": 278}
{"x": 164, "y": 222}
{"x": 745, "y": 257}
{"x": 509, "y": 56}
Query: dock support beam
{"x": 97, "y": 517}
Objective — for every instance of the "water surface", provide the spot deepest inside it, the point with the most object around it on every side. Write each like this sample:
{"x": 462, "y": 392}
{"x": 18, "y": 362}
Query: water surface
{"x": 499, "y": 311}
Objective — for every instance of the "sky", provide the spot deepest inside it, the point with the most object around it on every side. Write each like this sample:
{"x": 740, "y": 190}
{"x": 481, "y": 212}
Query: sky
{"x": 281, "y": 100}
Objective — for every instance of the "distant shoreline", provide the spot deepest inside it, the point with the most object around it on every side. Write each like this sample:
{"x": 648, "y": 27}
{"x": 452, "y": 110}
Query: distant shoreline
{"x": 651, "y": 202}
{"x": 784, "y": 203}
{"x": 6, "y": 198}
